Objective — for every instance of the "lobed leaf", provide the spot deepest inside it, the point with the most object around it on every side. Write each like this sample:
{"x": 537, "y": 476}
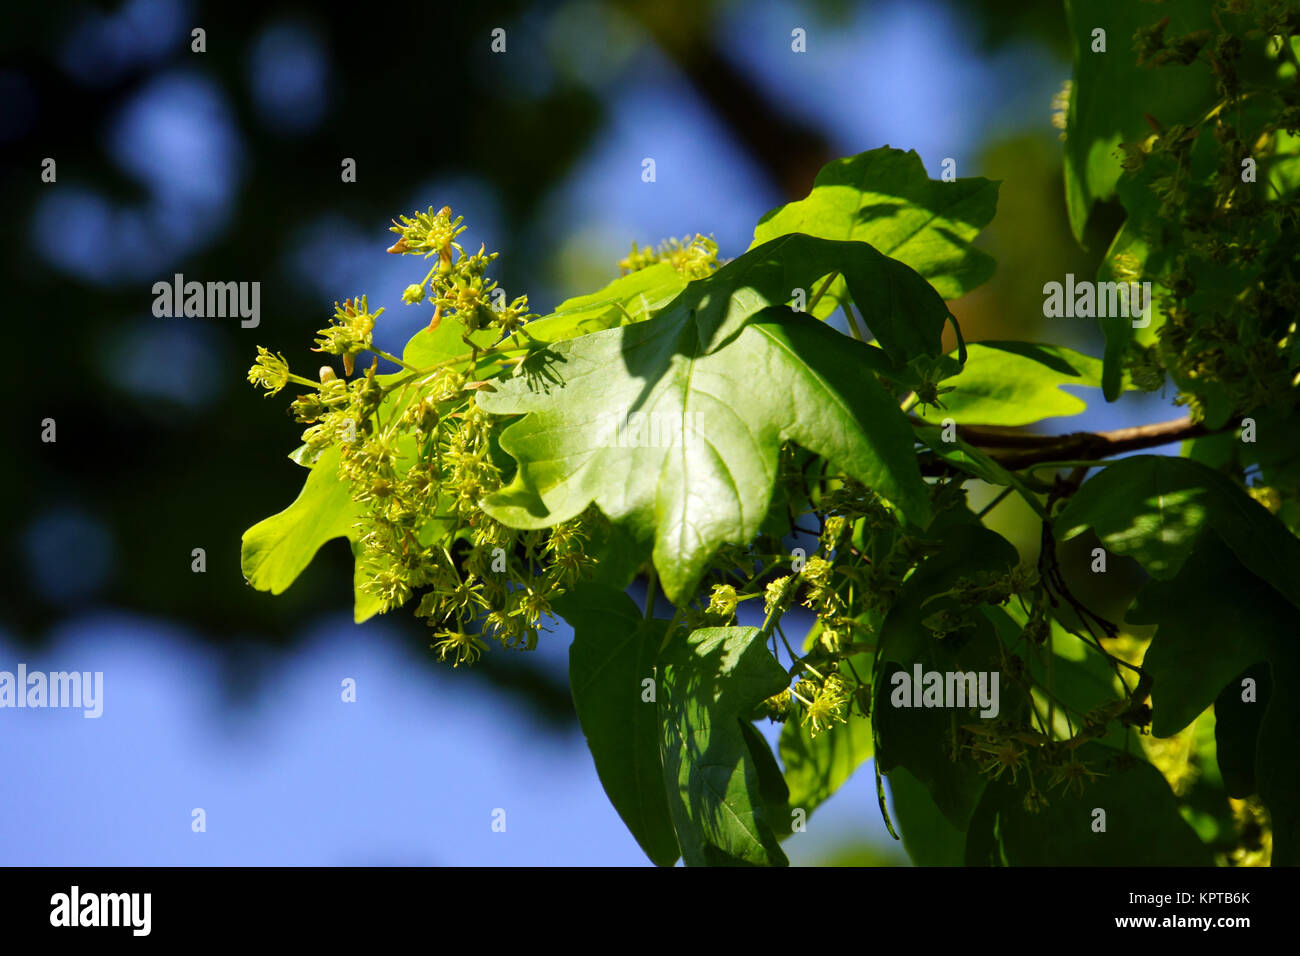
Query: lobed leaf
{"x": 277, "y": 549}
{"x": 1230, "y": 623}
{"x": 1215, "y": 613}
{"x": 1110, "y": 93}
{"x": 1154, "y": 508}
{"x": 614, "y": 650}
{"x": 1143, "y": 826}
{"x": 719, "y": 795}
{"x": 722, "y": 383}
{"x": 1017, "y": 383}
{"x": 884, "y": 197}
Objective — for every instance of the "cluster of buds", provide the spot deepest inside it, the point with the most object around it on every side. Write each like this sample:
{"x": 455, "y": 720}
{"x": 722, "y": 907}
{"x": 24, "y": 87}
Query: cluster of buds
{"x": 776, "y": 708}
{"x": 823, "y": 702}
{"x": 350, "y": 332}
{"x": 694, "y": 257}
{"x": 457, "y": 283}
{"x": 722, "y": 604}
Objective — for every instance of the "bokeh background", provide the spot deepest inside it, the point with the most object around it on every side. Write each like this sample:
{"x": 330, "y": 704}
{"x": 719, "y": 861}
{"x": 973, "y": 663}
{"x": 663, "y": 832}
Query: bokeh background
{"x": 225, "y": 165}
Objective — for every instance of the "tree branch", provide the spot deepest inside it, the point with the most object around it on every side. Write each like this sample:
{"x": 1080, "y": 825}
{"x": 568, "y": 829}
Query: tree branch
{"x": 1015, "y": 450}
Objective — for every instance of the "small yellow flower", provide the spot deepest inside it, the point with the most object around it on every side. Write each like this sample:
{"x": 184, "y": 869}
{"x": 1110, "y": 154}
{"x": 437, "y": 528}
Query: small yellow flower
{"x": 271, "y": 371}
{"x": 826, "y": 704}
{"x": 350, "y": 331}
{"x": 777, "y": 707}
{"x": 722, "y": 603}
{"x": 428, "y": 233}
{"x": 821, "y": 714}
{"x": 833, "y": 531}
{"x": 693, "y": 257}
{"x": 463, "y": 648}
{"x": 778, "y": 594}
{"x": 1004, "y": 756}
{"x": 1073, "y": 774}
{"x": 817, "y": 575}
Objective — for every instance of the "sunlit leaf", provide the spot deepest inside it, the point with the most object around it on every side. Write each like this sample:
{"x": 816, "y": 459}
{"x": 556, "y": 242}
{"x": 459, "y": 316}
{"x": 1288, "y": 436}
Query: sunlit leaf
{"x": 885, "y": 198}
{"x": 719, "y": 385}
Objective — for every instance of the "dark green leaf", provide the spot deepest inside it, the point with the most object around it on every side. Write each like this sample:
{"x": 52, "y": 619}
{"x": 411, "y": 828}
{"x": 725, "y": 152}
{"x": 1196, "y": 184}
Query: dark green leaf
{"x": 771, "y": 784}
{"x": 1277, "y": 771}
{"x": 711, "y": 681}
{"x": 1213, "y": 613}
{"x": 1143, "y": 825}
{"x": 1111, "y": 93}
{"x": 1236, "y": 729}
{"x": 613, "y": 652}
{"x": 1215, "y": 621}
{"x": 928, "y": 836}
{"x": 1154, "y": 508}
{"x": 923, "y": 739}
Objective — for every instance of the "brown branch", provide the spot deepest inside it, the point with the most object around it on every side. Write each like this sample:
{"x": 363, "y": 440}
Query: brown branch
{"x": 1015, "y": 450}
{"x": 1096, "y": 445}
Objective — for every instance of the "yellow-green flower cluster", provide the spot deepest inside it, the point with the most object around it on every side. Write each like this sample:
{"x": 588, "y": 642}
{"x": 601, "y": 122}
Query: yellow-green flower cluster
{"x": 694, "y": 257}
{"x": 350, "y": 332}
{"x": 457, "y": 284}
{"x": 428, "y": 233}
{"x": 778, "y": 595}
{"x": 823, "y": 702}
{"x": 414, "y": 450}
{"x": 722, "y": 603}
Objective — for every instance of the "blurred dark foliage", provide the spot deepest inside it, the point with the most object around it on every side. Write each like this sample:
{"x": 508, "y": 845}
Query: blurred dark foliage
{"x": 407, "y": 100}
{"x": 164, "y": 480}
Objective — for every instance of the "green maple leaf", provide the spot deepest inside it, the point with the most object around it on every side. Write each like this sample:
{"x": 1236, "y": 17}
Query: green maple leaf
{"x": 714, "y": 768}
{"x": 1111, "y": 93}
{"x": 277, "y": 549}
{"x": 613, "y": 652}
{"x": 722, "y": 381}
{"x": 1018, "y": 383}
{"x": 884, "y": 197}
{"x": 1155, "y": 508}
